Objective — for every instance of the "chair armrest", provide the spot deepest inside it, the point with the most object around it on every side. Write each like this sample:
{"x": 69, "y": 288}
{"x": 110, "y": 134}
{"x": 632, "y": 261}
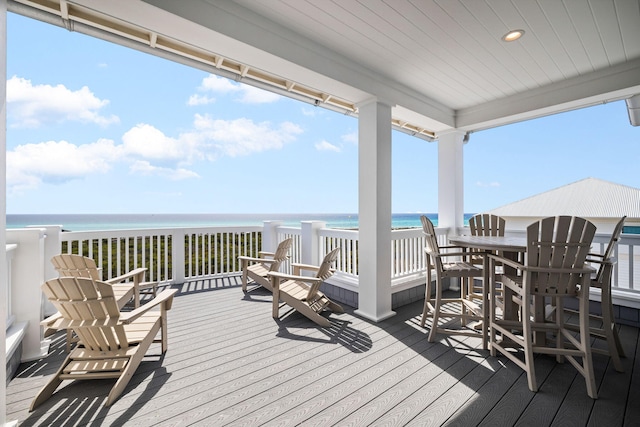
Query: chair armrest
{"x": 165, "y": 298}
{"x": 254, "y": 259}
{"x": 265, "y": 253}
{"x": 506, "y": 261}
{"x": 137, "y": 274}
{"x": 51, "y": 320}
{"x": 285, "y": 276}
{"x": 600, "y": 256}
{"x": 446, "y": 254}
{"x": 297, "y": 267}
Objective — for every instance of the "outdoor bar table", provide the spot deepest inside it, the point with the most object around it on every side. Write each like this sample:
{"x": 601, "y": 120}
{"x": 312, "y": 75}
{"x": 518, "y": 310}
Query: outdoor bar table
{"x": 511, "y": 247}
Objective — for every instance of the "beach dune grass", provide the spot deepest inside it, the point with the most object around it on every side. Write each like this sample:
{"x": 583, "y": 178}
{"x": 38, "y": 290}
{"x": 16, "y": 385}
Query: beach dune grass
{"x": 205, "y": 254}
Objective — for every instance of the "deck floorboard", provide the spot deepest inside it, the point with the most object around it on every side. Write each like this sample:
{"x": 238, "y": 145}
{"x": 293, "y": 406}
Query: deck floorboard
{"x": 230, "y": 363}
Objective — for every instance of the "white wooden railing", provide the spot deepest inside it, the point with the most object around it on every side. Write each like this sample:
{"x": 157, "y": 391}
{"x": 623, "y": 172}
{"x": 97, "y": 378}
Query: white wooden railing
{"x": 174, "y": 256}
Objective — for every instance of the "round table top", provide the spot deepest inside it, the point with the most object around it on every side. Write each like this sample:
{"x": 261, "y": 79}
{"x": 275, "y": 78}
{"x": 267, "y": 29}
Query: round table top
{"x": 491, "y": 243}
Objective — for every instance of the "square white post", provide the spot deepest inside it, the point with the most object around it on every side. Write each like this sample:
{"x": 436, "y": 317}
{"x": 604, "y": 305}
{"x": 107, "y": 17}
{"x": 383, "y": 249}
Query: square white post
{"x": 270, "y": 235}
{"x": 451, "y": 180}
{"x": 451, "y": 184}
{"x": 3, "y": 208}
{"x": 374, "y": 210}
{"x": 310, "y": 252}
{"x": 52, "y": 247}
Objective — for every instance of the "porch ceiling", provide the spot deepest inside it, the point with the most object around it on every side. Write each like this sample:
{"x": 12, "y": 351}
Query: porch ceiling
{"x": 442, "y": 64}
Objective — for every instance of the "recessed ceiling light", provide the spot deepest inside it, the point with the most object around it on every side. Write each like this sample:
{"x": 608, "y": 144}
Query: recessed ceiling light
{"x": 513, "y": 35}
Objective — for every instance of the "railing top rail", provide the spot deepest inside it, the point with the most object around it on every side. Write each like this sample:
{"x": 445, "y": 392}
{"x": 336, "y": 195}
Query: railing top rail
{"x": 339, "y": 232}
{"x": 146, "y": 231}
{"x": 288, "y": 229}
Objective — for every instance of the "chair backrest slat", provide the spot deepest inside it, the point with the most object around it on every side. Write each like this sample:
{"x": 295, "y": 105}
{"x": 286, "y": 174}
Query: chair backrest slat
{"x": 431, "y": 243}
{"x": 76, "y": 266}
{"x": 324, "y": 272}
{"x": 487, "y": 225}
{"x": 558, "y": 243}
{"x": 281, "y": 254}
{"x": 93, "y": 306}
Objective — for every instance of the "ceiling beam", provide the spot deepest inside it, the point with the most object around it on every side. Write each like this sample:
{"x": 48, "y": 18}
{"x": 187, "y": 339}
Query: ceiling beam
{"x": 611, "y": 84}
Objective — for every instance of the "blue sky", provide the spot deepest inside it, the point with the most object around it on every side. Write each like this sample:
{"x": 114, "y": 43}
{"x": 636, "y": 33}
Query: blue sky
{"x": 93, "y": 127}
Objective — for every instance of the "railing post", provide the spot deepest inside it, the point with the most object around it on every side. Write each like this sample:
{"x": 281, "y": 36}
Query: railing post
{"x": 178, "y": 256}
{"x": 310, "y": 242}
{"x": 270, "y": 235}
{"x": 52, "y": 246}
{"x": 27, "y": 275}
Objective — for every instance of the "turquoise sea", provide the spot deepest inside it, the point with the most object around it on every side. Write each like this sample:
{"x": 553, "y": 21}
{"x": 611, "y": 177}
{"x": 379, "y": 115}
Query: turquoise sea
{"x": 85, "y": 222}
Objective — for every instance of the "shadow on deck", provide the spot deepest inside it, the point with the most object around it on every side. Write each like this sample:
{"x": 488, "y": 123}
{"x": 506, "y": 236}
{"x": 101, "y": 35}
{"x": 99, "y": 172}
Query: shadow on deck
{"x": 230, "y": 363}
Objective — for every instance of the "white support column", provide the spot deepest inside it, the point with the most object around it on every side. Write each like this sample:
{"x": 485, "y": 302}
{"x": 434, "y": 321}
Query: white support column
{"x": 374, "y": 211}
{"x": 450, "y": 180}
{"x": 451, "y": 185}
{"x": 3, "y": 208}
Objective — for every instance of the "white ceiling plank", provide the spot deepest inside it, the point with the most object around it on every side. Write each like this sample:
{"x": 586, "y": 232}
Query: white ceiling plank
{"x": 582, "y": 20}
{"x": 527, "y": 51}
{"x": 628, "y": 12}
{"x": 556, "y": 33}
{"x": 407, "y": 56}
{"x": 508, "y": 57}
{"x": 606, "y": 21}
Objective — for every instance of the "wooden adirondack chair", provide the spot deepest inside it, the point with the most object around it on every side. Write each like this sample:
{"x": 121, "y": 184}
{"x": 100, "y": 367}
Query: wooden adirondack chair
{"x": 459, "y": 307}
{"x": 483, "y": 225}
{"x": 258, "y": 268}
{"x": 302, "y": 292}
{"x": 112, "y": 344}
{"x": 602, "y": 281}
{"x": 126, "y": 287}
{"x": 555, "y": 269}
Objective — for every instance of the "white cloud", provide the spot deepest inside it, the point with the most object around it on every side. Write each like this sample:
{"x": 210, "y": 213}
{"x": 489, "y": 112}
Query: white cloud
{"x": 146, "y": 142}
{"x": 200, "y": 100}
{"x": 147, "y": 149}
{"x": 219, "y": 84}
{"x": 31, "y": 105}
{"x": 254, "y": 95}
{"x": 239, "y": 137}
{"x": 487, "y": 184}
{"x": 245, "y": 94}
{"x": 29, "y": 165}
{"x": 327, "y": 146}
{"x": 351, "y": 137}
{"x": 143, "y": 167}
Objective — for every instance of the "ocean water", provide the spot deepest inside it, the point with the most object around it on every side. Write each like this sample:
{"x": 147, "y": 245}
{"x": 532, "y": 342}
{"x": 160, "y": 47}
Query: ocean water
{"x": 86, "y": 222}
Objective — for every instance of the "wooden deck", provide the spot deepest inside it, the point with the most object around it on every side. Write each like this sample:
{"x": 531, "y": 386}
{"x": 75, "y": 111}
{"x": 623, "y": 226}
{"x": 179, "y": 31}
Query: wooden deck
{"x": 230, "y": 363}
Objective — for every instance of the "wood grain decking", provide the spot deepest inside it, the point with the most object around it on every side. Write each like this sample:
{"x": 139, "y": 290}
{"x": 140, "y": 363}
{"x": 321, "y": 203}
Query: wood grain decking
{"x": 230, "y": 363}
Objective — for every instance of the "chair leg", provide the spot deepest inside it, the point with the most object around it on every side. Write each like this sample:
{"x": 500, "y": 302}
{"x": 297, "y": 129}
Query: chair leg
{"x": 46, "y": 391}
{"x": 244, "y": 276}
{"x": 427, "y": 299}
{"x": 527, "y": 334}
{"x": 585, "y": 343}
{"x": 436, "y": 310}
{"x": 610, "y": 330}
